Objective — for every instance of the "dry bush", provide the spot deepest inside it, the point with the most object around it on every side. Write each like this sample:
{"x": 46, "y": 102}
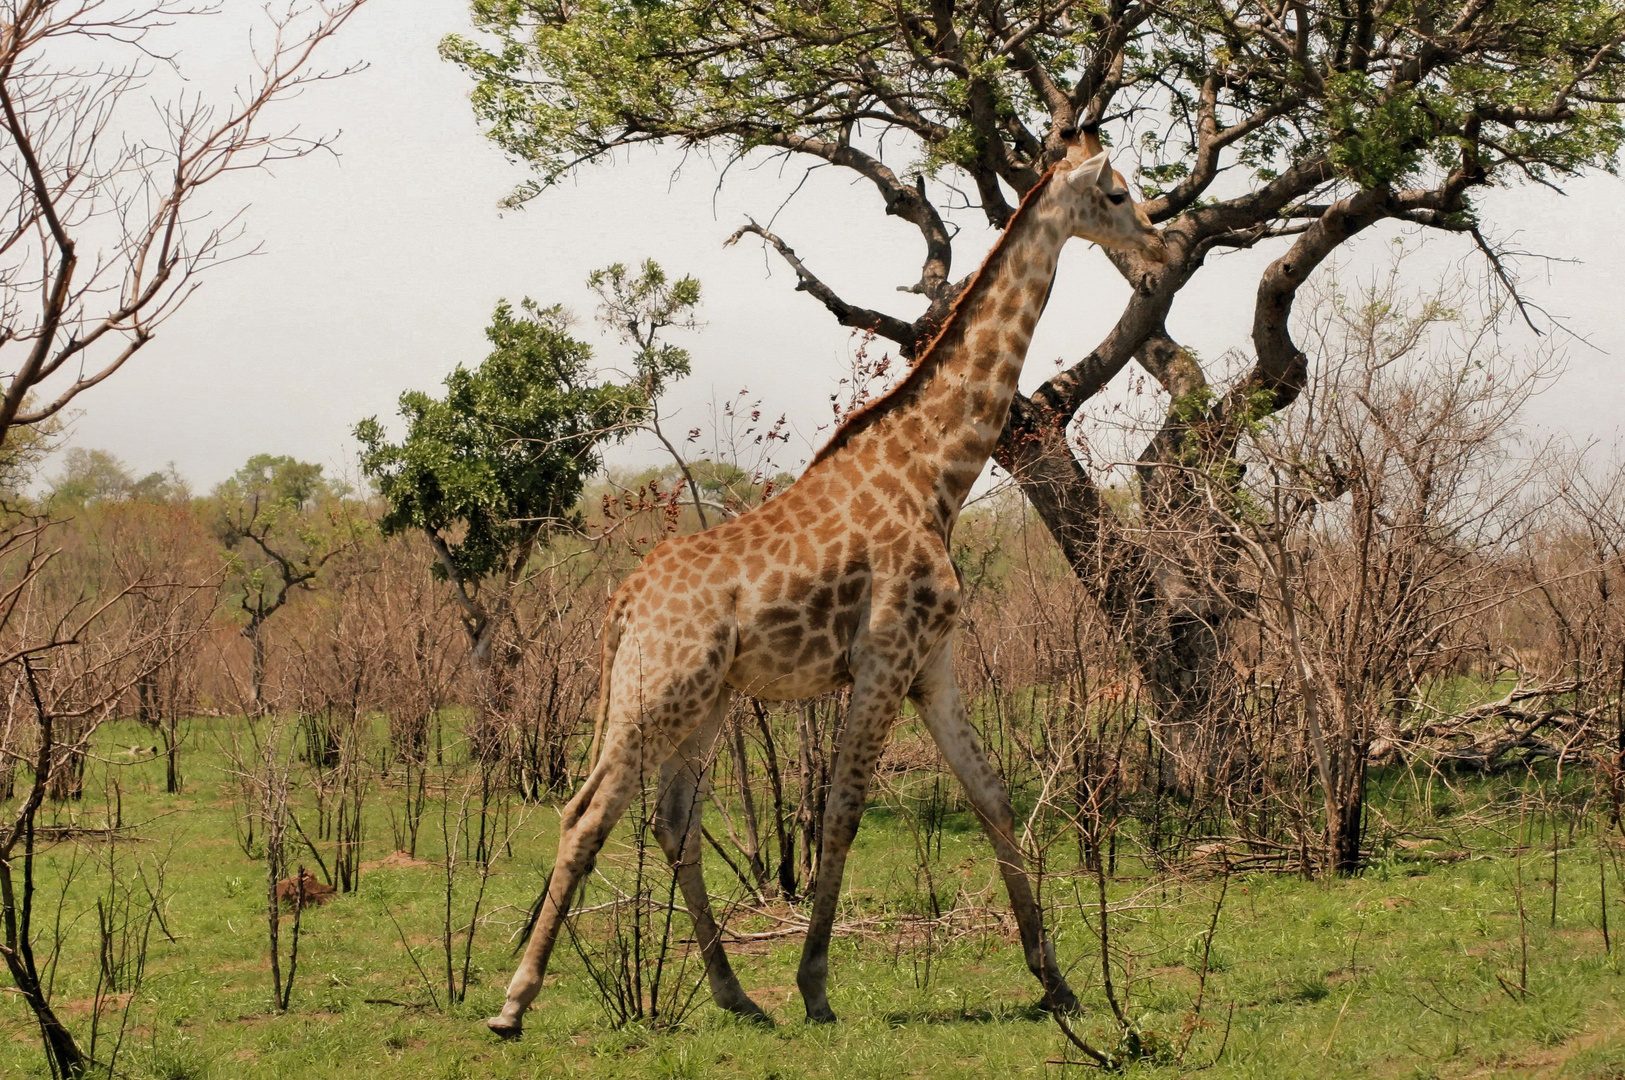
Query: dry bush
{"x": 552, "y": 693}
{"x": 422, "y": 656}
{"x": 87, "y": 615}
{"x": 1374, "y": 523}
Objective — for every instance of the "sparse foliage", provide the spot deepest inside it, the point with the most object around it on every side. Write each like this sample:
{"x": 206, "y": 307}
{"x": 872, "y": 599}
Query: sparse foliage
{"x": 277, "y": 546}
{"x": 107, "y": 218}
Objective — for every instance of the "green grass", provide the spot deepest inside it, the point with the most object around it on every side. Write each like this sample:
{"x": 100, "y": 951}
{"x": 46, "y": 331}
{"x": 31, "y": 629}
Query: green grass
{"x": 1390, "y": 974}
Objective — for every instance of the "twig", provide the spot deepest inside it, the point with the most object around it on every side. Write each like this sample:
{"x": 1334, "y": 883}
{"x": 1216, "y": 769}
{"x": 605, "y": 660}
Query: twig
{"x": 1103, "y": 1061}
{"x": 427, "y": 982}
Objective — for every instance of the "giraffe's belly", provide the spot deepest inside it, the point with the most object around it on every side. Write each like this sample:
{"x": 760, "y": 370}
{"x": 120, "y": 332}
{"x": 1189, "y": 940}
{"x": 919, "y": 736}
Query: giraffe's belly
{"x": 762, "y": 671}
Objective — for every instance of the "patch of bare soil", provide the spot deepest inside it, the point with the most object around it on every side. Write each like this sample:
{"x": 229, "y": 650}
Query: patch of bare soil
{"x": 910, "y": 753}
{"x": 1550, "y": 1062}
{"x": 85, "y": 1006}
{"x": 398, "y": 860}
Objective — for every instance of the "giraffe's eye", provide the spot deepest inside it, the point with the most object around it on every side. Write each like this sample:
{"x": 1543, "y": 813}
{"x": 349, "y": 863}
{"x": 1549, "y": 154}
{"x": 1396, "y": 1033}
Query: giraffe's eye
{"x": 1118, "y": 198}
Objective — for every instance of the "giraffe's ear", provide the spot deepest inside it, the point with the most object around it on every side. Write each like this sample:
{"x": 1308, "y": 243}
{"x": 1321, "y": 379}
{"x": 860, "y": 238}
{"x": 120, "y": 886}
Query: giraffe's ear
{"x": 1090, "y": 172}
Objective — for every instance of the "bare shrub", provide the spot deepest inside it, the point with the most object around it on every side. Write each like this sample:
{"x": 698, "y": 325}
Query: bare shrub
{"x": 548, "y": 710}
{"x": 1374, "y": 522}
{"x": 421, "y": 658}
{"x": 640, "y": 966}
{"x": 477, "y": 824}
{"x": 266, "y": 770}
{"x": 68, "y": 657}
{"x": 107, "y": 227}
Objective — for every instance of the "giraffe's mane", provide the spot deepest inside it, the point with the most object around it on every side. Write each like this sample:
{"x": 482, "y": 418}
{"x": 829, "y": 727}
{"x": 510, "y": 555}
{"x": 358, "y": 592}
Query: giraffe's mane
{"x": 866, "y": 416}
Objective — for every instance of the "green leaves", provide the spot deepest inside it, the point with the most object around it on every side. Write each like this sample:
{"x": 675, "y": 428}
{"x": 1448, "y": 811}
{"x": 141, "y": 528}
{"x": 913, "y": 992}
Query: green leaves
{"x": 277, "y": 480}
{"x": 501, "y": 458}
{"x": 1377, "y": 137}
{"x": 1400, "y": 94}
{"x": 280, "y": 521}
{"x": 88, "y": 477}
{"x": 638, "y": 308}
{"x": 557, "y": 86}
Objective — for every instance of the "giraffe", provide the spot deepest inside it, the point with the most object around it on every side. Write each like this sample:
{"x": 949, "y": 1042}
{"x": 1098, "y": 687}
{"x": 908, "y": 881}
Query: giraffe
{"x": 843, "y": 579}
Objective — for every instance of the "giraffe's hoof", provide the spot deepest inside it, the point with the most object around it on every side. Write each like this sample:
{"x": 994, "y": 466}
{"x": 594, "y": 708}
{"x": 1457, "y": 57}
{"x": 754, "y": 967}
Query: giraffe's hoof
{"x": 821, "y": 1014}
{"x": 749, "y": 1011}
{"x": 502, "y": 1029}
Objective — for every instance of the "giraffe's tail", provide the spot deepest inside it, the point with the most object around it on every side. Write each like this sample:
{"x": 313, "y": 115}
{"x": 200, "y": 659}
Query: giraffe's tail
{"x": 606, "y": 663}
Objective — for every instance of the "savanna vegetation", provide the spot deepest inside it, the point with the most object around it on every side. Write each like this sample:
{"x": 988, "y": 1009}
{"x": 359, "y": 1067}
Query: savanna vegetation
{"x": 1313, "y": 716}
{"x": 276, "y": 692}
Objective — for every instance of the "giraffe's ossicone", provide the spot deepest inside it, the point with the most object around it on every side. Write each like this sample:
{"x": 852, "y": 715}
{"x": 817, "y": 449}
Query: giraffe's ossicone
{"x": 843, "y": 579}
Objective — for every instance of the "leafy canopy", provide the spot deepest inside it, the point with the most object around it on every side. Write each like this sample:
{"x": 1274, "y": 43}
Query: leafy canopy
{"x": 282, "y": 521}
{"x": 276, "y": 482}
{"x": 503, "y": 456}
{"x": 1388, "y": 93}
{"x": 94, "y": 477}
{"x": 639, "y": 308}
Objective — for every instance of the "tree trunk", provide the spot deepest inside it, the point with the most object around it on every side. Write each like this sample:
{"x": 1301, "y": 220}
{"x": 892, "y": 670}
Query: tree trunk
{"x": 16, "y": 913}
{"x": 1162, "y": 586}
{"x": 1345, "y": 830}
{"x": 787, "y": 843}
{"x": 485, "y": 731}
{"x": 67, "y": 781}
{"x": 256, "y": 670}
{"x": 170, "y": 730}
{"x": 61, "y": 1051}
{"x": 814, "y": 775}
{"x": 747, "y": 801}
{"x": 146, "y": 698}
{"x": 1345, "y": 810}
{"x": 1144, "y": 584}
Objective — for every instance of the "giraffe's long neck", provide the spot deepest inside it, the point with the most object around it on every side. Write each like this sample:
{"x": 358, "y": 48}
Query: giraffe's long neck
{"x": 947, "y": 423}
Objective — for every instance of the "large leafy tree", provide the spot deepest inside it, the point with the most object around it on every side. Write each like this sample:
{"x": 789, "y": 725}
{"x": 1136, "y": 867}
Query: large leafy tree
{"x": 487, "y": 471}
{"x": 1288, "y": 125}
{"x": 89, "y": 477}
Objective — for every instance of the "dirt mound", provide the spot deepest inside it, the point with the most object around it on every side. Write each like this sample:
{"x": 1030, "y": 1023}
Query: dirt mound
{"x": 398, "y": 860}
{"x": 315, "y": 893}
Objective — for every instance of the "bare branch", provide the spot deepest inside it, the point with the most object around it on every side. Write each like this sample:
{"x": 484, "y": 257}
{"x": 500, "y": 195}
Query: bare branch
{"x": 904, "y": 333}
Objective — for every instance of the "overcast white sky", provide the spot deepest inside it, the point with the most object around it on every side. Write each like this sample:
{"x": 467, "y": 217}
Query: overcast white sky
{"x": 380, "y": 268}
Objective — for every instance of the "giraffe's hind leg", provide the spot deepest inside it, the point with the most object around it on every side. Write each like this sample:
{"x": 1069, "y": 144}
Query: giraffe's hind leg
{"x": 943, "y": 711}
{"x": 685, "y": 781}
{"x": 583, "y": 827}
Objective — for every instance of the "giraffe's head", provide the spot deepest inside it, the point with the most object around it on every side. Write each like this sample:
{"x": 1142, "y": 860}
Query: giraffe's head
{"x": 1103, "y": 209}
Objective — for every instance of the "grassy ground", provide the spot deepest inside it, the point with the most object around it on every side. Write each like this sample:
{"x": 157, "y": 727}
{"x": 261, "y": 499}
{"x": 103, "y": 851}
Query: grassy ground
{"x": 1408, "y": 971}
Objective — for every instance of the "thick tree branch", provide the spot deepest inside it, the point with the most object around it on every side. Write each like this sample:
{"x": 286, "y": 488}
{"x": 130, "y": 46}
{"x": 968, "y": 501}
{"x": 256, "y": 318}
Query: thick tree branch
{"x": 1210, "y": 141}
{"x": 1065, "y": 392}
{"x": 1282, "y": 367}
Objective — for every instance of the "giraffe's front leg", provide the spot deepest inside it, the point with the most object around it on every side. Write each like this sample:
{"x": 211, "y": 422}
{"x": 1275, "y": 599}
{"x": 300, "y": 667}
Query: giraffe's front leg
{"x": 875, "y": 704}
{"x": 943, "y": 711}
